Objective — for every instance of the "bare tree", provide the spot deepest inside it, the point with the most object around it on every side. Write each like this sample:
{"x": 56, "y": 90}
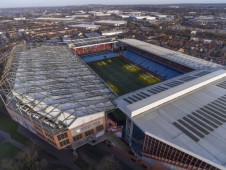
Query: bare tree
{"x": 109, "y": 163}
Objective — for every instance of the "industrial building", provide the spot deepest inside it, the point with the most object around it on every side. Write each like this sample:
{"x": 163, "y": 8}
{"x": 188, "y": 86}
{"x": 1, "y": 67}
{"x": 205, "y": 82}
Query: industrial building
{"x": 85, "y": 27}
{"x": 110, "y": 22}
{"x": 54, "y": 19}
{"x": 112, "y": 32}
{"x": 55, "y": 95}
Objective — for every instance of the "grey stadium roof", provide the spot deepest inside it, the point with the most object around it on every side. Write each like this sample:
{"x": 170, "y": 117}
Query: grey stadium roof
{"x": 195, "y": 122}
{"x": 187, "y": 112}
{"x": 49, "y": 82}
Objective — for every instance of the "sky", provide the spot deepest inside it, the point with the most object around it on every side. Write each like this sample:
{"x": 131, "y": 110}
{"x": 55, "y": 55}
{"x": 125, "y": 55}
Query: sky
{"x": 38, "y": 3}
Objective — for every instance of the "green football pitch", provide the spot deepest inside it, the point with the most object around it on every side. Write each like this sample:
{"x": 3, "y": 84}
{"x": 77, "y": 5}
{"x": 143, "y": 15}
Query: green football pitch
{"x": 121, "y": 76}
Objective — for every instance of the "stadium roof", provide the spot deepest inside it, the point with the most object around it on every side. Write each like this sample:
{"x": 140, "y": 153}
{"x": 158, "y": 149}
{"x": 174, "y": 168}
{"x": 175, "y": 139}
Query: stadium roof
{"x": 85, "y": 42}
{"x": 139, "y": 101}
{"x": 52, "y": 85}
{"x": 183, "y": 59}
{"x": 194, "y": 123}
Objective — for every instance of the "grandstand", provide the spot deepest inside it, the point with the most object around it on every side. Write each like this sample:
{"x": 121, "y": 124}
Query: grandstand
{"x": 179, "y": 122}
{"x": 55, "y": 95}
{"x": 92, "y": 45}
{"x": 174, "y": 103}
{"x": 154, "y": 67}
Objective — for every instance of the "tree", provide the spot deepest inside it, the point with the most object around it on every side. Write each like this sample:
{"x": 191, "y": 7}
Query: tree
{"x": 109, "y": 163}
{"x": 28, "y": 159}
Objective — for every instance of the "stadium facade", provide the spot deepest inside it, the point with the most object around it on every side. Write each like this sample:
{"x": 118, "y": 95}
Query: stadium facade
{"x": 179, "y": 122}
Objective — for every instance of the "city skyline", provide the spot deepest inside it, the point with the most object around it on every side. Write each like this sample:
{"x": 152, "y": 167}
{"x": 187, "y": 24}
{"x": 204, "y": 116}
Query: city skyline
{"x": 42, "y": 3}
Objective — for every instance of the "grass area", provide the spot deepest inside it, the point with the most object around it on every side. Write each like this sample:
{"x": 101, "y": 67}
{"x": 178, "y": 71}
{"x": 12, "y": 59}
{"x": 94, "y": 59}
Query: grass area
{"x": 7, "y": 150}
{"x": 121, "y": 76}
{"x": 10, "y": 126}
{"x": 82, "y": 164}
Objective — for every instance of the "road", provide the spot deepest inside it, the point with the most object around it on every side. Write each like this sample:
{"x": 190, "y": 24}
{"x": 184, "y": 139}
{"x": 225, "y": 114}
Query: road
{"x": 94, "y": 154}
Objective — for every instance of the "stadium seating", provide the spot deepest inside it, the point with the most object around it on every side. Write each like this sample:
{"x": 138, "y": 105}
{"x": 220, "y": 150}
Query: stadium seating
{"x": 98, "y": 56}
{"x": 92, "y": 49}
{"x": 161, "y": 70}
{"x": 160, "y": 60}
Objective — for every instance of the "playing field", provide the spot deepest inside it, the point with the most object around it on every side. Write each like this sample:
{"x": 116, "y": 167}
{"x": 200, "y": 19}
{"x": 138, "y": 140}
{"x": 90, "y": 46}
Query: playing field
{"x": 121, "y": 76}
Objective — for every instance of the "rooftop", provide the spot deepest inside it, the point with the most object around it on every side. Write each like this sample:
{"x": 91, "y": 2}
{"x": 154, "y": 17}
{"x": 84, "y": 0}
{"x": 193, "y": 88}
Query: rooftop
{"x": 92, "y": 41}
{"x": 194, "y": 123}
{"x": 180, "y": 58}
{"x": 50, "y": 83}
{"x": 84, "y": 26}
{"x": 110, "y": 22}
{"x": 55, "y": 19}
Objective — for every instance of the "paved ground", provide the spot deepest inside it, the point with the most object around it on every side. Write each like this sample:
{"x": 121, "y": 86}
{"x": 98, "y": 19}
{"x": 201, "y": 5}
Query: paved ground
{"x": 9, "y": 139}
{"x": 94, "y": 154}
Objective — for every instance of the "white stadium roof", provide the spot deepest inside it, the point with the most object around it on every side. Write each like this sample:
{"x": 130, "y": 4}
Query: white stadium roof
{"x": 51, "y": 83}
{"x": 183, "y": 59}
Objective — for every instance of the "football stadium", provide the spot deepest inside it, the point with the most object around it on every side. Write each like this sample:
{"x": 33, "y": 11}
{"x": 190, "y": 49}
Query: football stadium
{"x": 174, "y": 103}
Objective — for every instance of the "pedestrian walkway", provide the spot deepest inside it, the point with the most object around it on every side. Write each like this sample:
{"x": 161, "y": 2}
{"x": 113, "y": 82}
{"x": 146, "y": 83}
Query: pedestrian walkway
{"x": 9, "y": 139}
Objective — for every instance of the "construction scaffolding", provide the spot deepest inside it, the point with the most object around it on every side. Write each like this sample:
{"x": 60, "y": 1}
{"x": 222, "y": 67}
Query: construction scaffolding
{"x": 52, "y": 88}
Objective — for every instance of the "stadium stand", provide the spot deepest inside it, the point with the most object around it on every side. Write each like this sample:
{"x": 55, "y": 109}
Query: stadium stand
{"x": 162, "y": 61}
{"x": 92, "y": 49}
{"x": 159, "y": 69}
{"x": 98, "y": 56}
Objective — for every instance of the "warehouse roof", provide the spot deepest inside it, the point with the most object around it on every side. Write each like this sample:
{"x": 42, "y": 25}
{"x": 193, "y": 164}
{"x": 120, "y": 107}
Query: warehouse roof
{"x": 111, "y": 22}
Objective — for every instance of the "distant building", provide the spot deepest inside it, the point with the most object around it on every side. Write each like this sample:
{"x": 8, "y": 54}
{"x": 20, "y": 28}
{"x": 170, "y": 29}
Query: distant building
{"x": 99, "y": 14}
{"x": 55, "y": 19}
{"x": 133, "y": 13}
{"x": 124, "y": 16}
{"x": 162, "y": 16}
{"x": 112, "y": 33}
{"x": 85, "y": 26}
{"x": 193, "y": 32}
{"x": 19, "y": 19}
{"x": 110, "y": 22}
{"x": 113, "y": 12}
{"x": 78, "y": 16}
{"x": 192, "y": 13}
{"x": 91, "y": 34}
{"x": 143, "y": 17}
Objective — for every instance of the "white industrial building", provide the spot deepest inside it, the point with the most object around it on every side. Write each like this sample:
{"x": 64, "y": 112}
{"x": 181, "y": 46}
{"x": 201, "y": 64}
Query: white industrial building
{"x": 115, "y": 23}
{"x": 85, "y": 26}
